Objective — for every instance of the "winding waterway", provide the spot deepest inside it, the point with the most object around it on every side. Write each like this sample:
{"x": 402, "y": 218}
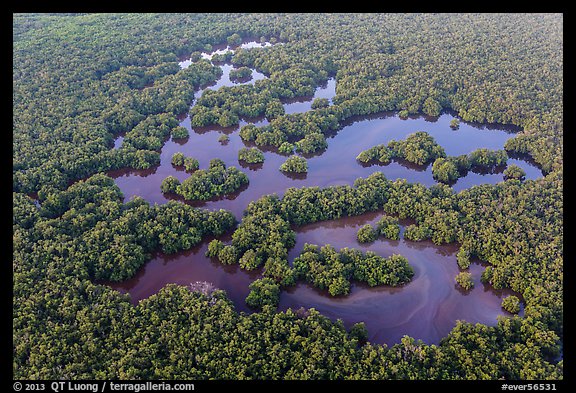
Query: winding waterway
{"x": 426, "y": 308}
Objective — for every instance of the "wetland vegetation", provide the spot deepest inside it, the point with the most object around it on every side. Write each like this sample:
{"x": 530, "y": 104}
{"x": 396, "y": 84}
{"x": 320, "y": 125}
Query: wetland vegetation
{"x": 396, "y": 212}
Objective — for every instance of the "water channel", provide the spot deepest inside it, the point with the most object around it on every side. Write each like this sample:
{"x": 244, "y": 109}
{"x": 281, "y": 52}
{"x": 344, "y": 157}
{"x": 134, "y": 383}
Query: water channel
{"x": 426, "y": 308}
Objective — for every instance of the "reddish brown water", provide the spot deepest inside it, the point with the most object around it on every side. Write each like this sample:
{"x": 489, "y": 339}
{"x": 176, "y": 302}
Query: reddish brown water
{"x": 304, "y": 104}
{"x": 337, "y": 165}
{"x": 427, "y": 308}
{"x": 185, "y": 268}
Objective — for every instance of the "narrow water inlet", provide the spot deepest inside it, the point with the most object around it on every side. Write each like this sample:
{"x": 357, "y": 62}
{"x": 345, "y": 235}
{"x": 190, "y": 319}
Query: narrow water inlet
{"x": 427, "y": 308}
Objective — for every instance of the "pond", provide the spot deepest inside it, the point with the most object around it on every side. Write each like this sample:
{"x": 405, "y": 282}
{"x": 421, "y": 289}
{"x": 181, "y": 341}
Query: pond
{"x": 427, "y": 308}
{"x": 335, "y": 166}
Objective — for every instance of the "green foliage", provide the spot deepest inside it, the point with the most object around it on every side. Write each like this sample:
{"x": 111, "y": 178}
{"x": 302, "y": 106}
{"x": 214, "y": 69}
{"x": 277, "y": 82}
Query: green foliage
{"x": 234, "y": 39}
{"x": 150, "y": 133}
{"x": 191, "y": 164}
{"x": 311, "y": 143}
{"x": 223, "y": 139}
{"x": 511, "y": 304}
{"x": 228, "y": 119}
{"x": 454, "y": 124}
{"x": 388, "y": 227}
{"x": 487, "y": 275}
{"x": 295, "y": 164}
{"x": 416, "y": 232}
{"x": 274, "y": 109}
{"x": 463, "y": 258}
{"x": 465, "y": 280}
{"x": 445, "y": 170}
{"x": 214, "y": 248}
{"x": 217, "y": 180}
{"x": 178, "y": 159}
{"x": 195, "y": 56}
{"x": 80, "y": 79}
{"x": 169, "y": 184}
{"x": 250, "y": 260}
{"x": 367, "y": 234}
{"x": 326, "y": 268}
{"x": 488, "y": 159}
{"x": 250, "y": 155}
{"x": 279, "y": 269}
{"x": 179, "y": 132}
{"x": 359, "y": 332}
{"x": 249, "y": 132}
{"x": 240, "y": 74}
{"x": 380, "y": 153}
{"x": 431, "y": 107}
{"x": 419, "y": 148}
{"x": 228, "y": 255}
{"x": 514, "y": 172}
{"x": 264, "y": 291}
{"x": 320, "y": 103}
{"x": 286, "y": 148}
{"x": 225, "y": 57}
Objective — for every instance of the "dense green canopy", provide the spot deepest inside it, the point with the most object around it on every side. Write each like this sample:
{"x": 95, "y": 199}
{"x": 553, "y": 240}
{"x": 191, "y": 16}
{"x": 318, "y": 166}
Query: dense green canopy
{"x": 80, "y": 80}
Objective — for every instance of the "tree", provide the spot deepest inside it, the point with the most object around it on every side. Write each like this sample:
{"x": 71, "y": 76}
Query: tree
{"x": 388, "y": 227}
{"x": 71, "y": 98}
{"x": 286, "y": 148}
{"x": 367, "y": 234}
{"x": 179, "y": 132}
{"x": 418, "y": 147}
{"x": 169, "y": 185}
{"x": 214, "y": 248}
{"x": 178, "y": 159}
{"x": 332, "y": 270}
{"x": 445, "y": 170}
{"x": 234, "y": 39}
{"x": 359, "y": 332}
{"x": 295, "y": 164}
{"x": 250, "y": 260}
{"x": 416, "y": 232}
{"x": 228, "y": 119}
{"x": 249, "y": 132}
{"x": 464, "y": 280}
{"x": 311, "y": 143}
{"x": 191, "y": 164}
{"x": 463, "y": 258}
{"x": 263, "y": 291}
{"x": 250, "y": 155}
{"x": 228, "y": 255}
{"x": 511, "y": 304}
{"x": 488, "y": 159}
{"x": 195, "y": 56}
{"x": 242, "y": 74}
{"x": 431, "y": 107}
{"x": 217, "y": 180}
{"x": 320, "y": 103}
{"x": 454, "y": 124}
{"x": 514, "y": 172}
{"x": 274, "y": 109}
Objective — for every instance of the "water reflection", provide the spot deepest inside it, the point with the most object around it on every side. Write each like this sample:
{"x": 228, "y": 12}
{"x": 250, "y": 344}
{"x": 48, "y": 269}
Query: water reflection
{"x": 427, "y": 308}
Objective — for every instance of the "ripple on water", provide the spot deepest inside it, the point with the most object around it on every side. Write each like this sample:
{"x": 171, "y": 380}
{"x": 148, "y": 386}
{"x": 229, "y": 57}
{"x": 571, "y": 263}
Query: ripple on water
{"x": 426, "y": 308}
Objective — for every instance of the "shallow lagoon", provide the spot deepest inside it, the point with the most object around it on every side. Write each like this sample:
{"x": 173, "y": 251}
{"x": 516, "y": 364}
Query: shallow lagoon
{"x": 426, "y": 308}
